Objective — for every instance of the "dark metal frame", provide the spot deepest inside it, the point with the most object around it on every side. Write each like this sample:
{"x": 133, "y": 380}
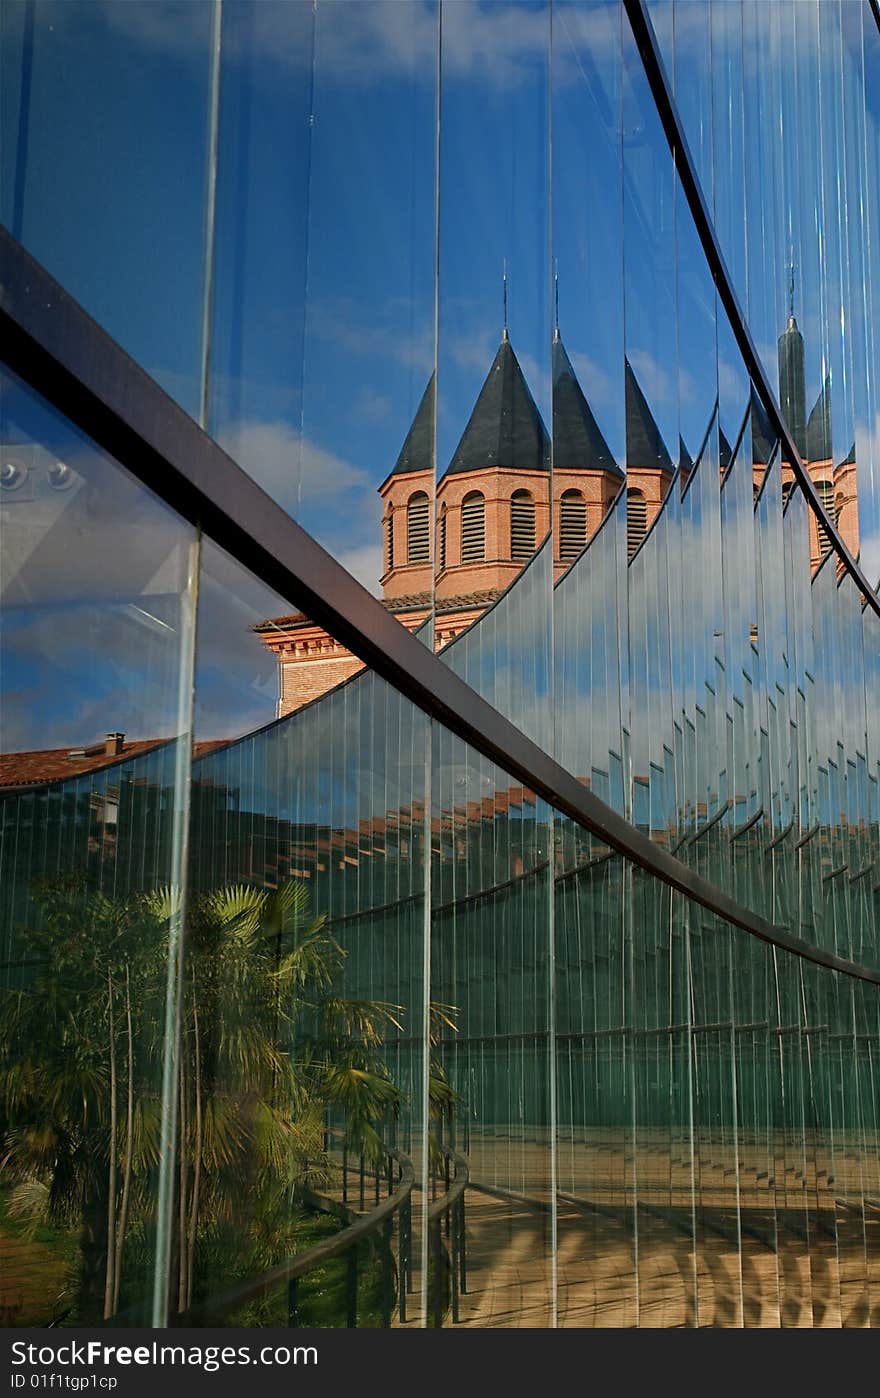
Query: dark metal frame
{"x": 661, "y": 91}
{"x": 58, "y": 350}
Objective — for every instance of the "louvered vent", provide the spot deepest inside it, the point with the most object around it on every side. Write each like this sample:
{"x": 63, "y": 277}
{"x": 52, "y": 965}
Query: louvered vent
{"x": 389, "y": 542}
{"x": 636, "y": 520}
{"x": 572, "y": 524}
{"x": 826, "y": 494}
{"x": 418, "y": 535}
{"x": 522, "y": 526}
{"x": 443, "y": 538}
{"x": 473, "y": 527}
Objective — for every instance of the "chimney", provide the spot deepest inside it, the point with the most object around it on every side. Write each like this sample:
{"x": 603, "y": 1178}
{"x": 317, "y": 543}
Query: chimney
{"x": 113, "y": 744}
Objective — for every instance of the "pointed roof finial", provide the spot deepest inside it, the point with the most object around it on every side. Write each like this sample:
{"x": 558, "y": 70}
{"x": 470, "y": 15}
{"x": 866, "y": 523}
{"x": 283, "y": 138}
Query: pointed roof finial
{"x": 556, "y": 302}
{"x": 791, "y": 284}
{"x": 504, "y": 334}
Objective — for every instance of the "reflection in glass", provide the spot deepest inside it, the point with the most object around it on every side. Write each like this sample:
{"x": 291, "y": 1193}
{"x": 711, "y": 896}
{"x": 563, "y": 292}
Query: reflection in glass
{"x": 495, "y": 491}
{"x": 96, "y": 665}
{"x": 411, "y": 996}
{"x": 490, "y": 1000}
{"x": 301, "y": 1070}
{"x": 106, "y": 114}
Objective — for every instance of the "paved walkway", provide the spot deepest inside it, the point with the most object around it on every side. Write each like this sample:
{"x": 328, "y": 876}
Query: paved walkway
{"x": 762, "y": 1237}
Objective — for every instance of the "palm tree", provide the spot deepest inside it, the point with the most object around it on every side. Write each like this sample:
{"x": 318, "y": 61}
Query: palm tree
{"x": 77, "y": 1073}
{"x": 266, "y": 1050}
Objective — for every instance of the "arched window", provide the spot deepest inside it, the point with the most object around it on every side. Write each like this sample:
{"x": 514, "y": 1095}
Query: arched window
{"x": 572, "y": 524}
{"x": 839, "y": 502}
{"x": 389, "y": 541}
{"x": 636, "y": 520}
{"x": 825, "y": 491}
{"x": 473, "y": 527}
{"x": 418, "y": 528}
{"x": 442, "y": 537}
{"x": 787, "y": 488}
{"x": 522, "y": 525}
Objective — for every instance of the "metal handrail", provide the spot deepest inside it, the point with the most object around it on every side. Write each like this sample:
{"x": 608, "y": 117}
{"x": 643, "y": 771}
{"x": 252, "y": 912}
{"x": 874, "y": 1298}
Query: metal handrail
{"x": 288, "y": 1272}
{"x": 455, "y": 1185}
{"x": 447, "y": 1214}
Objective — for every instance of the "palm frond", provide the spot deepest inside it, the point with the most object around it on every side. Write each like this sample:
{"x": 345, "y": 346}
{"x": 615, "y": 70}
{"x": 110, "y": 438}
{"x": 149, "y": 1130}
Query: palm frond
{"x": 365, "y": 1020}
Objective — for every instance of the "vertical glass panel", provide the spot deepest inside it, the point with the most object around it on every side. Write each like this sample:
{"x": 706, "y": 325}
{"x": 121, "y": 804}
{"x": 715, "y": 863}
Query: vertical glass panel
{"x": 323, "y": 343}
{"x": 667, "y": 1148}
{"x": 755, "y": 1068}
{"x": 588, "y": 422}
{"x": 261, "y": 226}
{"x": 740, "y": 622}
{"x": 595, "y": 1078}
{"x": 303, "y": 1042}
{"x": 790, "y": 1145}
{"x": 651, "y": 396}
{"x": 490, "y": 1088}
{"x": 862, "y": 41}
{"x": 107, "y": 115}
{"x": 493, "y": 351}
{"x": 728, "y": 126}
{"x": 698, "y": 624}
{"x": 98, "y": 594}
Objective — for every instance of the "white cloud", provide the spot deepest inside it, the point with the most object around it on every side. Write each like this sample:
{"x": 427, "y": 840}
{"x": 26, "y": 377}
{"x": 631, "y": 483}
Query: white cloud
{"x": 372, "y": 406}
{"x": 656, "y": 383}
{"x": 287, "y": 465}
{"x": 496, "y": 44}
{"x": 600, "y": 387}
{"x": 471, "y": 351}
{"x": 365, "y": 563}
{"x": 341, "y": 323}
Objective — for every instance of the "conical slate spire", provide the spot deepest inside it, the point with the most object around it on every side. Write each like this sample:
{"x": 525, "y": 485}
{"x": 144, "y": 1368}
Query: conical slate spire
{"x": 417, "y": 452}
{"x": 578, "y": 443}
{"x": 685, "y": 460}
{"x": 792, "y": 387}
{"x": 763, "y": 436}
{"x": 644, "y": 445}
{"x": 819, "y": 426}
{"x": 505, "y": 427}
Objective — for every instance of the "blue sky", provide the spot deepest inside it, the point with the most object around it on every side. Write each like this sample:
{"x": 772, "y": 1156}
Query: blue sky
{"x": 326, "y": 234}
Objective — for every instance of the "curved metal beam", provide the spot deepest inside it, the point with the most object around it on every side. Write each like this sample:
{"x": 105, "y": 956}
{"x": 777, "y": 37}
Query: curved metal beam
{"x": 55, "y": 347}
{"x": 661, "y": 91}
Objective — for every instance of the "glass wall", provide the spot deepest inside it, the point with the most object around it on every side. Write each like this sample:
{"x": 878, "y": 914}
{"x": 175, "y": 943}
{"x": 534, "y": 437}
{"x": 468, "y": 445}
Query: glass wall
{"x": 95, "y": 736}
{"x": 282, "y": 953}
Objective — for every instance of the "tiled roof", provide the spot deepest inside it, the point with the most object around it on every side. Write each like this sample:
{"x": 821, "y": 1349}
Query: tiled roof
{"x": 21, "y": 769}
{"x": 398, "y": 606}
{"x": 578, "y": 443}
{"x": 644, "y": 444}
{"x": 462, "y": 600}
{"x": 819, "y": 426}
{"x": 505, "y": 427}
{"x": 763, "y": 436}
{"x": 790, "y": 347}
{"x": 417, "y": 452}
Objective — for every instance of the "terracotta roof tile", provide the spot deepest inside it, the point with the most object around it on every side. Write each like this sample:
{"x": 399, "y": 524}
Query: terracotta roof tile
{"x": 24, "y": 769}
